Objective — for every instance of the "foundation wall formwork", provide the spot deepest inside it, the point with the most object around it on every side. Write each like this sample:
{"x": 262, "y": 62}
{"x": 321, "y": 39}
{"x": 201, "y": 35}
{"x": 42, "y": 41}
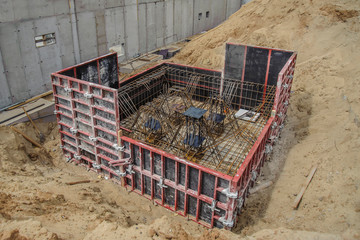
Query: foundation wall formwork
{"x": 89, "y": 108}
{"x": 85, "y": 29}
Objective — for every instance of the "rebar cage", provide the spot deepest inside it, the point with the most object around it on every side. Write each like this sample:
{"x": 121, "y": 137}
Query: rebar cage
{"x": 193, "y": 140}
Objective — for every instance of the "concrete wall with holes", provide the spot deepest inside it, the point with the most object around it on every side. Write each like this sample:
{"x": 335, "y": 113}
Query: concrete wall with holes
{"x": 85, "y": 29}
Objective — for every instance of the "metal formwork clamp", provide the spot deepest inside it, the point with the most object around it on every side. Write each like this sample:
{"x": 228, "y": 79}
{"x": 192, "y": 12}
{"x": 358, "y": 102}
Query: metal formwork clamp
{"x": 274, "y": 125}
{"x": 88, "y": 95}
{"x": 281, "y": 126}
{"x": 290, "y": 76}
{"x": 229, "y": 194}
{"x": 73, "y": 130}
{"x": 268, "y": 149}
{"x": 161, "y": 183}
{"x": 253, "y": 175}
{"x": 68, "y": 159}
{"x": 77, "y": 157}
{"x": 227, "y": 223}
{"x": 68, "y": 90}
{"x": 55, "y": 112}
{"x": 285, "y": 85}
{"x": 212, "y": 207}
{"x": 240, "y": 202}
{"x": 280, "y": 114}
{"x": 93, "y": 139}
{"x": 61, "y": 146}
{"x": 120, "y": 174}
{"x": 118, "y": 148}
{"x": 96, "y": 166}
{"x": 129, "y": 169}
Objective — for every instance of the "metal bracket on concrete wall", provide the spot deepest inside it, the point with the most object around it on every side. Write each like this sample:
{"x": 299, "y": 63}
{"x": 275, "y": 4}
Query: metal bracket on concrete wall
{"x": 161, "y": 183}
{"x": 68, "y": 159}
{"x": 229, "y": 194}
{"x": 129, "y": 169}
{"x": 240, "y": 203}
{"x": 253, "y": 175}
{"x": 96, "y": 166}
{"x": 118, "y": 148}
{"x": 120, "y": 174}
{"x": 73, "y": 130}
{"x": 68, "y": 90}
{"x": 268, "y": 149}
{"x": 212, "y": 207}
{"x": 227, "y": 223}
{"x": 88, "y": 95}
{"x": 93, "y": 139}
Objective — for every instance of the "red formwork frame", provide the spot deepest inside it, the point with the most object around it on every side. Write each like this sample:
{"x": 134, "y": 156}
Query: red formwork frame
{"x": 237, "y": 187}
{"x": 76, "y": 93}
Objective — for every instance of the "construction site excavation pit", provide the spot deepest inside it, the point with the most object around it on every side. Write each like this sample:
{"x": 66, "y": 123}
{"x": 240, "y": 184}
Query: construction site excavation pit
{"x": 192, "y": 140}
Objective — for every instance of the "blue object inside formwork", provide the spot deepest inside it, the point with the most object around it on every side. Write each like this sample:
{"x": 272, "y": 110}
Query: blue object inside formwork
{"x": 215, "y": 117}
{"x": 153, "y": 124}
{"x": 194, "y": 140}
{"x": 194, "y": 112}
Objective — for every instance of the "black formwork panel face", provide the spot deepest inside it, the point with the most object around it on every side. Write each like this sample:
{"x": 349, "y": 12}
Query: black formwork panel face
{"x": 88, "y": 72}
{"x": 208, "y": 184}
{"x": 157, "y": 164}
{"x": 109, "y": 72}
{"x": 103, "y": 71}
{"x": 137, "y": 180}
{"x": 277, "y": 62}
{"x": 205, "y": 212}
{"x": 157, "y": 190}
{"x": 136, "y": 155}
{"x": 182, "y": 174}
{"x": 255, "y": 72}
{"x": 127, "y": 147}
{"x": 193, "y": 178}
{"x": 192, "y": 205}
{"x": 170, "y": 169}
{"x": 180, "y": 200}
{"x": 69, "y": 73}
{"x": 146, "y": 159}
{"x": 234, "y": 61}
{"x": 147, "y": 185}
{"x": 169, "y": 196}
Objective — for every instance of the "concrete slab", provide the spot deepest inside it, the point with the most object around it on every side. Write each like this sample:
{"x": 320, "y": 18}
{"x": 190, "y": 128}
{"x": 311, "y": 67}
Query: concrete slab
{"x": 39, "y": 109}
{"x": 151, "y": 57}
{"x": 128, "y": 67}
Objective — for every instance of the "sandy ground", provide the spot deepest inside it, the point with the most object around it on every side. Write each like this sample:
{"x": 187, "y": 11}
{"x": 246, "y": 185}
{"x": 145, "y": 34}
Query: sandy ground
{"x": 322, "y": 129}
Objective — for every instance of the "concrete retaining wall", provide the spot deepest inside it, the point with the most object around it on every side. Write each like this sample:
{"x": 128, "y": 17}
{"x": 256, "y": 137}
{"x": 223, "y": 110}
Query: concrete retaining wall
{"x": 85, "y": 29}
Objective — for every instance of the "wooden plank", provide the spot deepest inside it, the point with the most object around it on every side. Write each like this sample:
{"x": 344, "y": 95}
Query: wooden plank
{"x": 26, "y": 137}
{"x": 302, "y": 191}
{"x": 78, "y": 182}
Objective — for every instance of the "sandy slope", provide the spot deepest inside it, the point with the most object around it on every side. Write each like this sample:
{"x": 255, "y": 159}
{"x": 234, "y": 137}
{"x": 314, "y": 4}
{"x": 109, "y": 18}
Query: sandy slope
{"x": 322, "y": 129}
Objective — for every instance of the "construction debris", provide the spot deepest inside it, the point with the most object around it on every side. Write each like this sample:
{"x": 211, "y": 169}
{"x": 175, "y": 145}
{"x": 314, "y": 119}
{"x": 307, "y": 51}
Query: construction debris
{"x": 302, "y": 191}
{"x": 27, "y": 137}
{"x": 41, "y": 136}
{"x": 77, "y": 182}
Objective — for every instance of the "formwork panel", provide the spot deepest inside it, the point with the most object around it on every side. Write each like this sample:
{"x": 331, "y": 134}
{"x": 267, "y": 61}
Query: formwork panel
{"x": 185, "y": 137}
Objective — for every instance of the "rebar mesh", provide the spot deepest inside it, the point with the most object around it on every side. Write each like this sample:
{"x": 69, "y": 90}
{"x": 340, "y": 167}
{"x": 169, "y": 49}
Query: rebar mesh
{"x": 153, "y": 107}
